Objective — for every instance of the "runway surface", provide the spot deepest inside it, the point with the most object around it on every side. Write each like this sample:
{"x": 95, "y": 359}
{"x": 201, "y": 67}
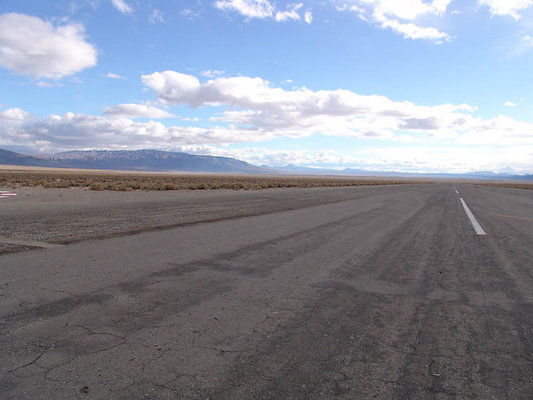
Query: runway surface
{"x": 381, "y": 292}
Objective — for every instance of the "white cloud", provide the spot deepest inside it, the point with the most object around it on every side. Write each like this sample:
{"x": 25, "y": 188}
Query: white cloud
{"x": 308, "y": 17}
{"x": 190, "y": 14}
{"x": 290, "y": 14}
{"x": 122, "y": 6}
{"x": 265, "y": 156}
{"x": 400, "y": 16}
{"x": 261, "y": 9}
{"x": 248, "y": 8}
{"x": 509, "y": 104}
{"x": 251, "y": 105}
{"x": 477, "y": 145}
{"x": 254, "y": 104}
{"x": 507, "y": 7}
{"x": 212, "y": 73}
{"x": 46, "y": 84}
{"x": 14, "y": 115}
{"x": 75, "y": 6}
{"x": 136, "y": 111}
{"x": 455, "y": 159}
{"x": 80, "y": 131}
{"x": 527, "y": 40}
{"x": 31, "y": 46}
{"x": 155, "y": 16}
{"x": 412, "y": 31}
{"x": 111, "y": 75}
{"x": 412, "y": 9}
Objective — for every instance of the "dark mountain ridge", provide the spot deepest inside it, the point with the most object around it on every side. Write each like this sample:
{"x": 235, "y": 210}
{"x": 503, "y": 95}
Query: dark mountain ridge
{"x": 135, "y": 160}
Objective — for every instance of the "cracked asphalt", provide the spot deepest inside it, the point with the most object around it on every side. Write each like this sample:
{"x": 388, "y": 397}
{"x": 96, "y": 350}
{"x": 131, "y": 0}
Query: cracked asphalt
{"x": 351, "y": 293}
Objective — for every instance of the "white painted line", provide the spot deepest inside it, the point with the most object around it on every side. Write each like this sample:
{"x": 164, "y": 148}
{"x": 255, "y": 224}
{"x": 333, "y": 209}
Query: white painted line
{"x": 4, "y": 194}
{"x": 479, "y": 230}
{"x": 456, "y": 192}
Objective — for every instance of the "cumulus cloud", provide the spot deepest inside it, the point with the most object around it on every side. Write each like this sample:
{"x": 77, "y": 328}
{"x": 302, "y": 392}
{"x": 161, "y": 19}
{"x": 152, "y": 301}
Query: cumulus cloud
{"x": 509, "y": 104}
{"x": 507, "y": 7}
{"x": 308, "y": 17}
{"x": 122, "y": 6}
{"x": 136, "y": 111}
{"x": 261, "y": 9}
{"x": 400, "y": 16}
{"x": 253, "y": 104}
{"x": 80, "y": 131}
{"x": 34, "y": 47}
{"x": 14, "y": 115}
{"x": 250, "y": 110}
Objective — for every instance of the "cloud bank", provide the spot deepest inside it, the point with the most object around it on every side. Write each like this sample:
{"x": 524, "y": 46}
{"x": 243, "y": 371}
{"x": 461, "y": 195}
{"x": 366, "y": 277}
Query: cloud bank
{"x": 253, "y": 104}
{"x": 250, "y": 110}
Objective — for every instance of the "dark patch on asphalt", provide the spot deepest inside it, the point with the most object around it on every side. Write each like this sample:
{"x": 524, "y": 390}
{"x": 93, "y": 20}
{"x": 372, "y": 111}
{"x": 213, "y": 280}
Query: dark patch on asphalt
{"x": 261, "y": 259}
{"x": 52, "y": 309}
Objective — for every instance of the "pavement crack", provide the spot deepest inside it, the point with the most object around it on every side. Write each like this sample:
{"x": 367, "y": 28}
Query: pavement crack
{"x": 224, "y": 350}
{"x": 91, "y": 332}
{"x": 31, "y": 362}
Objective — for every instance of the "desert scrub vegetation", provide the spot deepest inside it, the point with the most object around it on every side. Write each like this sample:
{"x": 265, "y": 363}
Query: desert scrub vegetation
{"x": 510, "y": 185}
{"x": 142, "y": 181}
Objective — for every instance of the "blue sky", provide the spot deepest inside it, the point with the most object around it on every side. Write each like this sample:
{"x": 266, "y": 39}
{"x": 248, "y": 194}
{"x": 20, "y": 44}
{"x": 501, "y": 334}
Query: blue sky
{"x": 410, "y": 85}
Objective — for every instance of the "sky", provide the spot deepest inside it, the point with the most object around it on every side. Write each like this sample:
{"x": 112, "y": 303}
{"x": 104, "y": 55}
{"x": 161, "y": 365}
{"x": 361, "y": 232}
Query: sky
{"x": 403, "y": 85}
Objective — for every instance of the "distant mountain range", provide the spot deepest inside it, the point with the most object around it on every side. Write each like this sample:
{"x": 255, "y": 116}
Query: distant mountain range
{"x": 164, "y": 161}
{"x": 138, "y": 160}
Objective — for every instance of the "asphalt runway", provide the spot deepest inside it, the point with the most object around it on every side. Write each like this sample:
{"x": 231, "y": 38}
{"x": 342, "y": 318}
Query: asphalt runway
{"x": 359, "y": 293}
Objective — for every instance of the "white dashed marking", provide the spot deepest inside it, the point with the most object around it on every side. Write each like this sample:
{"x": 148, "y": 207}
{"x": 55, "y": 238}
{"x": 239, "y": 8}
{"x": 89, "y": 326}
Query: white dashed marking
{"x": 479, "y": 230}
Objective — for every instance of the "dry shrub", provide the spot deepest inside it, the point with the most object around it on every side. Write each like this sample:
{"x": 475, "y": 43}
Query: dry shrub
{"x": 509, "y": 185}
{"x": 127, "y": 182}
